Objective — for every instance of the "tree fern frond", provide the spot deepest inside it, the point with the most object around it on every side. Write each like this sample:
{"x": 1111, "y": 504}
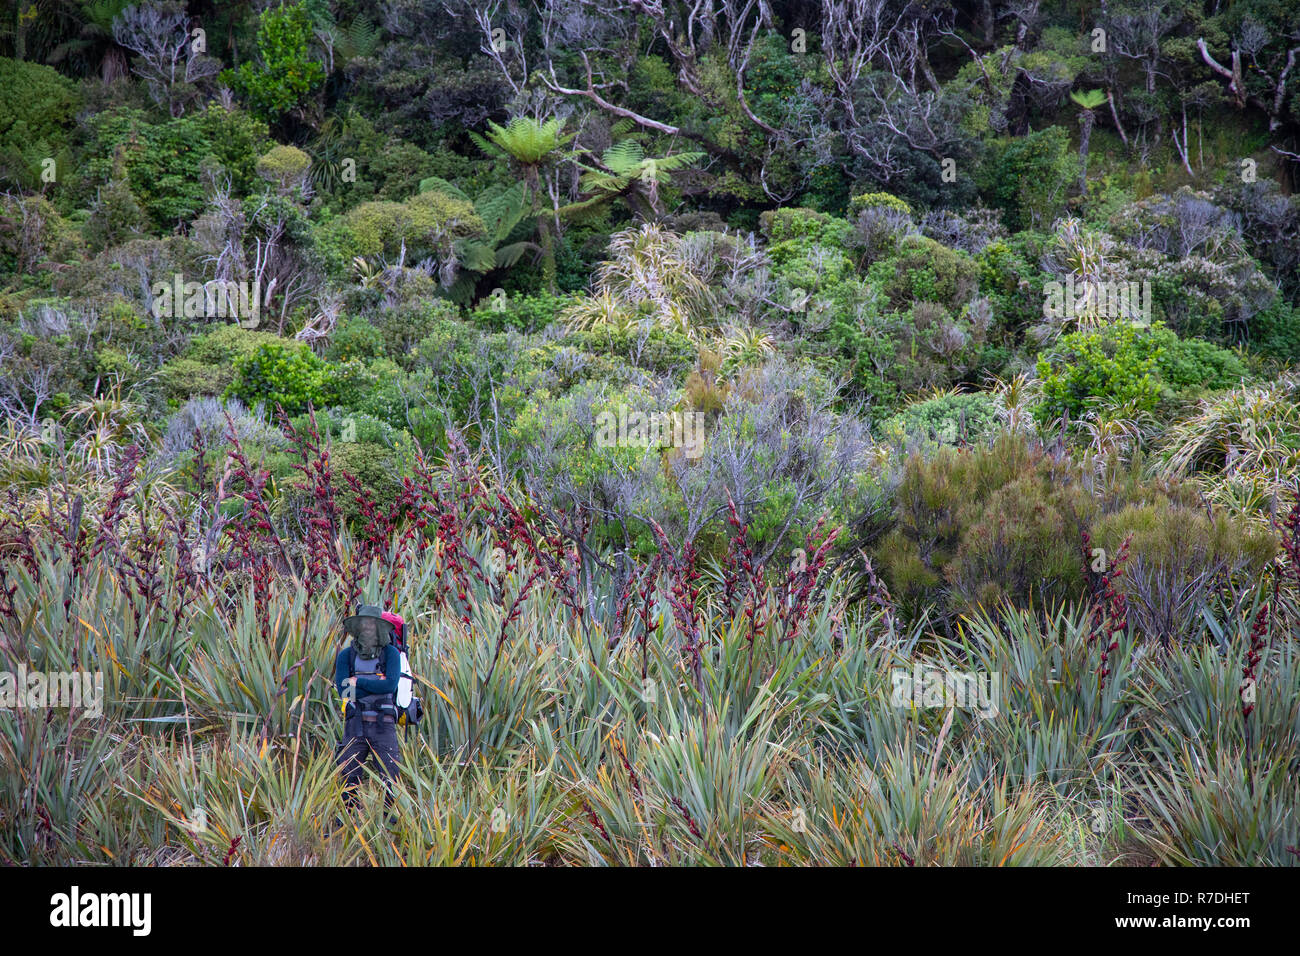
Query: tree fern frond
{"x": 507, "y": 256}
{"x": 438, "y": 184}
{"x": 362, "y": 37}
{"x": 502, "y": 209}
{"x": 476, "y": 255}
{"x": 623, "y": 157}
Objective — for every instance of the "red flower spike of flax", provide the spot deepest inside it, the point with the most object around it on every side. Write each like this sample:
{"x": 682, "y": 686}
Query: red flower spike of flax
{"x": 320, "y": 515}
{"x": 690, "y": 821}
{"x": 682, "y": 595}
{"x": 738, "y": 562}
{"x": 1289, "y": 530}
{"x": 595, "y": 822}
{"x": 1259, "y": 637}
{"x": 800, "y": 583}
{"x": 1109, "y": 616}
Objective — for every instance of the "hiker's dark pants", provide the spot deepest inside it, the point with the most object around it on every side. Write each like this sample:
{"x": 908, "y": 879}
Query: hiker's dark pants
{"x": 362, "y": 738}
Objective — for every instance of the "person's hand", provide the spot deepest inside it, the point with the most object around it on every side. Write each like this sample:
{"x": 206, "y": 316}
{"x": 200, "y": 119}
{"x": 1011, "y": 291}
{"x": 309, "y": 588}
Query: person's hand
{"x": 350, "y": 682}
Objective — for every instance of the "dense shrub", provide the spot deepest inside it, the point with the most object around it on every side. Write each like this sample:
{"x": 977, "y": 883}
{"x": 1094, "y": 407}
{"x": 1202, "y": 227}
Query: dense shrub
{"x": 286, "y": 73}
{"x": 354, "y": 337}
{"x": 1090, "y": 370}
{"x": 1027, "y": 177}
{"x": 807, "y": 248}
{"x": 34, "y": 237}
{"x": 425, "y": 224}
{"x": 1182, "y": 558}
{"x": 1003, "y": 522}
{"x": 207, "y": 366}
{"x": 1126, "y": 365}
{"x": 523, "y": 313}
{"x": 285, "y": 374}
{"x": 925, "y": 270}
{"x": 960, "y": 512}
{"x": 948, "y": 419}
{"x": 1275, "y": 332}
{"x": 35, "y": 116}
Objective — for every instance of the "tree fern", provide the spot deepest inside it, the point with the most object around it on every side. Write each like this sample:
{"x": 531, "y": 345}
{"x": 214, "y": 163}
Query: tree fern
{"x": 523, "y": 139}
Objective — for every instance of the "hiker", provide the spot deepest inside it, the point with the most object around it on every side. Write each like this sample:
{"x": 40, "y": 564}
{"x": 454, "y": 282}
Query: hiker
{"x": 367, "y": 672}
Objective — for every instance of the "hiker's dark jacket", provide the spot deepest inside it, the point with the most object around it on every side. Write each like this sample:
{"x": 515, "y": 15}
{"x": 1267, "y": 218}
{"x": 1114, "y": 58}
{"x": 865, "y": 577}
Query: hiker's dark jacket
{"x": 367, "y": 685}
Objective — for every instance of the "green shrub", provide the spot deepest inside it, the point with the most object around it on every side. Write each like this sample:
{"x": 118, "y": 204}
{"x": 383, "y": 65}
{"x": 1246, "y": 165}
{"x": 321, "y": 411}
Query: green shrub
{"x": 932, "y": 560}
{"x": 945, "y": 419}
{"x": 927, "y": 271}
{"x": 980, "y": 526}
{"x": 36, "y": 112}
{"x": 116, "y": 216}
{"x": 373, "y": 388}
{"x": 807, "y": 248}
{"x": 1022, "y": 545}
{"x": 165, "y": 162}
{"x": 283, "y": 166}
{"x": 1029, "y": 176}
{"x": 1181, "y": 557}
{"x": 1122, "y": 364}
{"x": 877, "y": 201}
{"x": 1275, "y": 331}
{"x": 660, "y": 349}
{"x": 354, "y": 337}
{"x": 1088, "y": 370}
{"x": 426, "y": 224}
{"x": 404, "y": 327}
{"x": 184, "y": 378}
{"x": 1191, "y": 366}
{"x": 286, "y": 74}
{"x": 34, "y": 237}
{"x": 523, "y": 313}
{"x": 283, "y": 373}
{"x": 785, "y": 225}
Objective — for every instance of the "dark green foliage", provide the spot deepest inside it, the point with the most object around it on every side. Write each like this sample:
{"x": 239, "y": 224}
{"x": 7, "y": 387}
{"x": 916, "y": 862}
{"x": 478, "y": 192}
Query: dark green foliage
{"x": 167, "y": 163}
{"x": 522, "y": 313}
{"x": 404, "y": 327}
{"x": 208, "y": 365}
{"x": 1275, "y": 332}
{"x": 1194, "y": 365}
{"x": 36, "y": 113}
{"x": 1028, "y": 177}
{"x": 355, "y": 338}
{"x": 926, "y": 271}
{"x": 116, "y": 215}
{"x": 34, "y": 237}
{"x": 285, "y": 73}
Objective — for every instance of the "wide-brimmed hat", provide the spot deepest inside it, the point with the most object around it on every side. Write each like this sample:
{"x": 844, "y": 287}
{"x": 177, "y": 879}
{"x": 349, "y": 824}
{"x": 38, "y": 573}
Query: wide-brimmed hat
{"x": 368, "y": 611}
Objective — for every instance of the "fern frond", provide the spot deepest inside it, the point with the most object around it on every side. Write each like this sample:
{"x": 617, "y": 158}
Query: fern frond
{"x": 437, "y": 184}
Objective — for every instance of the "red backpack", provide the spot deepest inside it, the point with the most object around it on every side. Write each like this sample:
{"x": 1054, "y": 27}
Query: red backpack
{"x": 409, "y": 708}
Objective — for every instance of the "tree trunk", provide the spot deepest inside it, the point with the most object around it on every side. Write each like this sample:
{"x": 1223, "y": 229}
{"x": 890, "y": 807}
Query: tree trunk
{"x": 1087, "y": 118}
{"x": 543, "y": 230}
